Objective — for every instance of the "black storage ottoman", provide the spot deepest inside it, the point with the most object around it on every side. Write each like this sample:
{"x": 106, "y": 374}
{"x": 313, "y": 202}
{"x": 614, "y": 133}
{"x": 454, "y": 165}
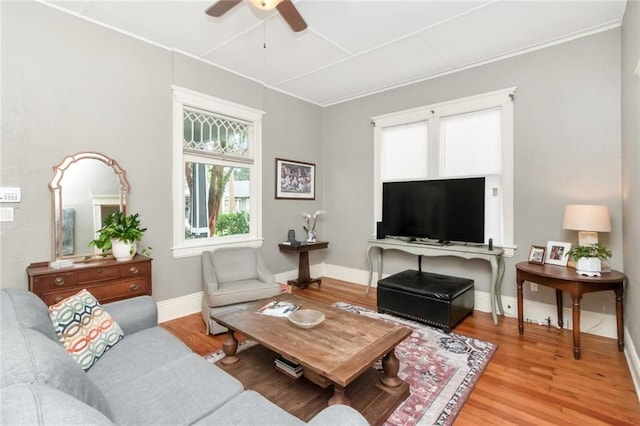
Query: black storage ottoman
{"x": 438, "y": 300}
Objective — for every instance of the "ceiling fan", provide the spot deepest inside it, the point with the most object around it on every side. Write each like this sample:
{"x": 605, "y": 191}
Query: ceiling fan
{"x": 285, "y": 7}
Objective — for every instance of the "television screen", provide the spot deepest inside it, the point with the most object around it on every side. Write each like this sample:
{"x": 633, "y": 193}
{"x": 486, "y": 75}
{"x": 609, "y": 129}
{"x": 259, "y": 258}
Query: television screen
{"x": 445, "y": 210}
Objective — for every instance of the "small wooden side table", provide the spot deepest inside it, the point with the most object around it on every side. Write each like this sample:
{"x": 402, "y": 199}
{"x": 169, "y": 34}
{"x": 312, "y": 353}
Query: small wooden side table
{"x": 304, "y": 277}
{"x": 567, "y": 279}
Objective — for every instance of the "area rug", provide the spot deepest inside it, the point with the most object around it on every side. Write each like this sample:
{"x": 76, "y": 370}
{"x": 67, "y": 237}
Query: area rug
{"x": 441, "y": 369}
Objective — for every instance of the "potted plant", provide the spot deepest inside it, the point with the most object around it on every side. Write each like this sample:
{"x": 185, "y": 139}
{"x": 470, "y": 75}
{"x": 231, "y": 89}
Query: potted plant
{"x": 121, "y": 234}
{"x": 589, "y": 258}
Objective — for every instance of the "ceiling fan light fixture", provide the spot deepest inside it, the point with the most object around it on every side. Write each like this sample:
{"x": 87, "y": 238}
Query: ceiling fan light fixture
{"x": 266, "y": 4}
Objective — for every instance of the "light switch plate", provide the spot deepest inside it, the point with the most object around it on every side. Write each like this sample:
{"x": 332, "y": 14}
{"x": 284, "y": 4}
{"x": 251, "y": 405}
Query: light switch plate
{"x": 7, "y": 214}
{"x": 10, "y": 194}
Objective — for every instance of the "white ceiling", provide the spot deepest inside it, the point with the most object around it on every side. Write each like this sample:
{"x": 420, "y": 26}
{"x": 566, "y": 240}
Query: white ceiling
{"x": 353, "y": 48}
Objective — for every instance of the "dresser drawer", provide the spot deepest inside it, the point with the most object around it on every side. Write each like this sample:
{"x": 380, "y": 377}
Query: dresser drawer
{"x": 135, "y": 269}
{"x": 122, "y": 289}
{"x": 97, "y": 274}
{"x": 54, "y": 281}
{"x": 105, "y": 293}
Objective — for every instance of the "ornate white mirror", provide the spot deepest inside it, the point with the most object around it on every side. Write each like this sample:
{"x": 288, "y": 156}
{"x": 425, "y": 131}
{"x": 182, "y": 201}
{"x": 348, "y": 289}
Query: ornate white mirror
{"x": 85, "y": 188}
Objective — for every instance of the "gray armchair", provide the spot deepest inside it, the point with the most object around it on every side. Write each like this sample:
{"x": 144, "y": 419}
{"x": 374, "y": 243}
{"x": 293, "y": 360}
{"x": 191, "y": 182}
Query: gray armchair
{"x": 232, "y": 276}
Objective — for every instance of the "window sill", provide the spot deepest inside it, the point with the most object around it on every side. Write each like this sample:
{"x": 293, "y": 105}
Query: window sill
{"x": 191, "y": 251}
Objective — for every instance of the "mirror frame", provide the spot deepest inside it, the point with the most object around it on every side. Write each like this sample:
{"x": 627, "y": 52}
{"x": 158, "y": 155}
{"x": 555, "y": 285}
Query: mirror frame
{"x": 56, "y": 196}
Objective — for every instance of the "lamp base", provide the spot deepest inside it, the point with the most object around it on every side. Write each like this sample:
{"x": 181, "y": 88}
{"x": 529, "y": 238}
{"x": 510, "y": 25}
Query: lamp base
{"x": 586, "y": 238}
{"x": 588, "y": 273}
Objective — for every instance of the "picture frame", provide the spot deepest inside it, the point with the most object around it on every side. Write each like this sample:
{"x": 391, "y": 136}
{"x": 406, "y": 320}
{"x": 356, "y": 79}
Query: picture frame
{"x": 556, "y": 253}
{"x": 536, "y": 254}
{"x": 295, "y": 180}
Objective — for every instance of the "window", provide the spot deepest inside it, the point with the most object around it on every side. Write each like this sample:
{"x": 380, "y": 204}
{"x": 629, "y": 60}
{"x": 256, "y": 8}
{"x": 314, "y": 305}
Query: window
{"x": 216, "y": 173}
{"x": 462, "y": 138}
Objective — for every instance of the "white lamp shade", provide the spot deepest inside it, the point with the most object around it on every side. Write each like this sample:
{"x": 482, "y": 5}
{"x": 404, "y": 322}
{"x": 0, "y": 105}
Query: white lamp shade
{"x": 587, "y": 217}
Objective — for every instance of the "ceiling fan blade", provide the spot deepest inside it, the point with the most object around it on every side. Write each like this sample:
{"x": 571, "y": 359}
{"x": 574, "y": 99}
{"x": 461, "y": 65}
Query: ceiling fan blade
{"x": 291, "y": 15}
{"x": 221, "y": 7}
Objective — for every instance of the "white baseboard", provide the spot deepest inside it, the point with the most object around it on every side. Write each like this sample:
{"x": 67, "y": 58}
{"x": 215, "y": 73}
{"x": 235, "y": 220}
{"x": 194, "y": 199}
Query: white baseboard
{"x": 179, "y": 306}
{"x": 633, "y": 361}
{"x": 590, "y": 322}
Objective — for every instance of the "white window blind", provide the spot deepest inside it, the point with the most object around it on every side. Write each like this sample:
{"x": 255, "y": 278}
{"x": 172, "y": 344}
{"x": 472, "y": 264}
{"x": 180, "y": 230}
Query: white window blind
{"x": 405, "y": 152}
{"x": 465, "y": 137}
{"x": 471, "y": 144}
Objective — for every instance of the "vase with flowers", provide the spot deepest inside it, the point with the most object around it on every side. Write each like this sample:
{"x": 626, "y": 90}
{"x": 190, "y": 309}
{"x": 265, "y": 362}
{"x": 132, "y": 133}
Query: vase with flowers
{"x": 310, "y": 227}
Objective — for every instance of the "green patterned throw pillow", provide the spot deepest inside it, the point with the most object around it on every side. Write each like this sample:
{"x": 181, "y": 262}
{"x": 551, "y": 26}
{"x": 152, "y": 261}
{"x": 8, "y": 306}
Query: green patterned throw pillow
{"x": 85, "y": 329}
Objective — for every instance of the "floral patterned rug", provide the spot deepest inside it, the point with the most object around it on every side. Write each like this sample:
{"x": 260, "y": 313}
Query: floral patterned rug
{"x": 441, "y": 369}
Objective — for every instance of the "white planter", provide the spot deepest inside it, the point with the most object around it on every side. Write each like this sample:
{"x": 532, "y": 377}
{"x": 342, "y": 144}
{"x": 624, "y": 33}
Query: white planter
{"x": 590, "y": 266}
{"x": 123, "y": 250}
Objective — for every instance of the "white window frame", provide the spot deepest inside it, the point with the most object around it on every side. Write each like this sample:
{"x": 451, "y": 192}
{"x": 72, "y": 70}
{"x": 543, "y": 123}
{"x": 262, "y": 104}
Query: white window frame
{"x": 432, "y": 113}
{"x": 184, "y": 97}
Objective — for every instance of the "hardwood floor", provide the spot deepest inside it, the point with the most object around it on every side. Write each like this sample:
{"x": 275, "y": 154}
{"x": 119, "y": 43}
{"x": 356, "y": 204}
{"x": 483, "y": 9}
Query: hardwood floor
{"x": 531, "y": 379}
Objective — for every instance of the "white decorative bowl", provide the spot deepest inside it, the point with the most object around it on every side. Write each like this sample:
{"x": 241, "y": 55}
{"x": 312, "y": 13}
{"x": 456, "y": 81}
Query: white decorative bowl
{"x": 306, "y": 318}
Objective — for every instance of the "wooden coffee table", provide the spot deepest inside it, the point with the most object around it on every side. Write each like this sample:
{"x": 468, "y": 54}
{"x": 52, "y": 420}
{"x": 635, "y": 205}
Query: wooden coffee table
{"x": 335, "y": 353}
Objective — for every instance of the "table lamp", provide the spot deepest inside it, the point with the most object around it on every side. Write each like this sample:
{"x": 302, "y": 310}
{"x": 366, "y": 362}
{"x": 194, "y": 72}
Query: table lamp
{"x": 588, "y": 220}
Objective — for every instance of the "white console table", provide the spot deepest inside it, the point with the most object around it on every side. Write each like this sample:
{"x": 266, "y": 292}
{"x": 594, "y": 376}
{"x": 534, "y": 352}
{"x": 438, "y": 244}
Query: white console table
{"x": 494, "y": 257}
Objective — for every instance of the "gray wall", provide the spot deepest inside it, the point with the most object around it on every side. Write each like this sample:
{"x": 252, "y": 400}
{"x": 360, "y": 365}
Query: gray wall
{"x": 69, "y": 85}
{"x": 631, "y": 163}
{"x": 567, "y": 150}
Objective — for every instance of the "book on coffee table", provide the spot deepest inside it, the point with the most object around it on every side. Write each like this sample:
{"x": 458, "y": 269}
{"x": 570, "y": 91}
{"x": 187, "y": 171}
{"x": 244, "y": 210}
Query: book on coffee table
{"x": 278, "y": 308}
{"x": 288, "y": 367}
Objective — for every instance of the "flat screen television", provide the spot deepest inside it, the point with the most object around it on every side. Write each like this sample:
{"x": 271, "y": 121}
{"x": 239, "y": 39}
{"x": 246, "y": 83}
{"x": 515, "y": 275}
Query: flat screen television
{"x": 447, "y": 210}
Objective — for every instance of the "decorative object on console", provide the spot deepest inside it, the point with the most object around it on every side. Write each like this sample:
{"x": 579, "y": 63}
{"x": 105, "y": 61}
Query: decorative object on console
{"x": 589, "y": 258}
{"x": 556, "y": 253}
{"x": 311, "y": 228}
{"x": 121, "y": 234}
{"x": 536, "y": 255}
{"x": 588, "y": 220}
{"x": 295, "y": 180}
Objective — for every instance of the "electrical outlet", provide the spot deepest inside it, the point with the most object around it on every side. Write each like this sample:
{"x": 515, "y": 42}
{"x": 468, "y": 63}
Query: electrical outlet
{"x": 534, "y": 286}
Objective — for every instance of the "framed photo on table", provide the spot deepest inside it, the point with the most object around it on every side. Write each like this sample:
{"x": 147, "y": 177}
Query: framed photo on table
{"x": 536, "y": 255}
{"x": 557, "y": 253}
{"x": 295, "y": 180}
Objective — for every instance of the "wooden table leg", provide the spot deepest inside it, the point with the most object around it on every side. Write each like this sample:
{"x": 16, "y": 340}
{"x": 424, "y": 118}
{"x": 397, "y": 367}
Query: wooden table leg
{"x": 520, "y": 306}
{"x": 576, "y": 325}
{"x": 304, "y": 276}
{"x": 390, "y": 367}
{"x": 559, "y": 307}
{"x": 619, "y": 318}
{"x": 339, "y": 397}
{"x": 230, "y": 347}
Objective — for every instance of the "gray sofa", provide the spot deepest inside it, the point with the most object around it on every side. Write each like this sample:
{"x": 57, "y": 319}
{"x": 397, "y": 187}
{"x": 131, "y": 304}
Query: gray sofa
{"x": 149, "y": 377}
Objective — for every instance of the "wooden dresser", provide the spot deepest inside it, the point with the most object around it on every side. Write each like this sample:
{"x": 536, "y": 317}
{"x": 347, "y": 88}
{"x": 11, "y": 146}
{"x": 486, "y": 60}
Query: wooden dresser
{"x": 108, "y": 280}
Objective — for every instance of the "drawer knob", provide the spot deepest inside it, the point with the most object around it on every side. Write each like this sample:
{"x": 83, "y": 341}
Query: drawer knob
{"x": 57, "y": 299}
{"x": 133, "y": 270}
{"x": 134, "y": 287}
{"x": 59, "y": 281}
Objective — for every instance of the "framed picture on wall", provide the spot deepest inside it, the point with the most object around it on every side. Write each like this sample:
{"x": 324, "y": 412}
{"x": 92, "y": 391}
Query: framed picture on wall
{"x": 536, "y": 255}
{"x": 557, "y": 253}
{"x": 295, "y": 180}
